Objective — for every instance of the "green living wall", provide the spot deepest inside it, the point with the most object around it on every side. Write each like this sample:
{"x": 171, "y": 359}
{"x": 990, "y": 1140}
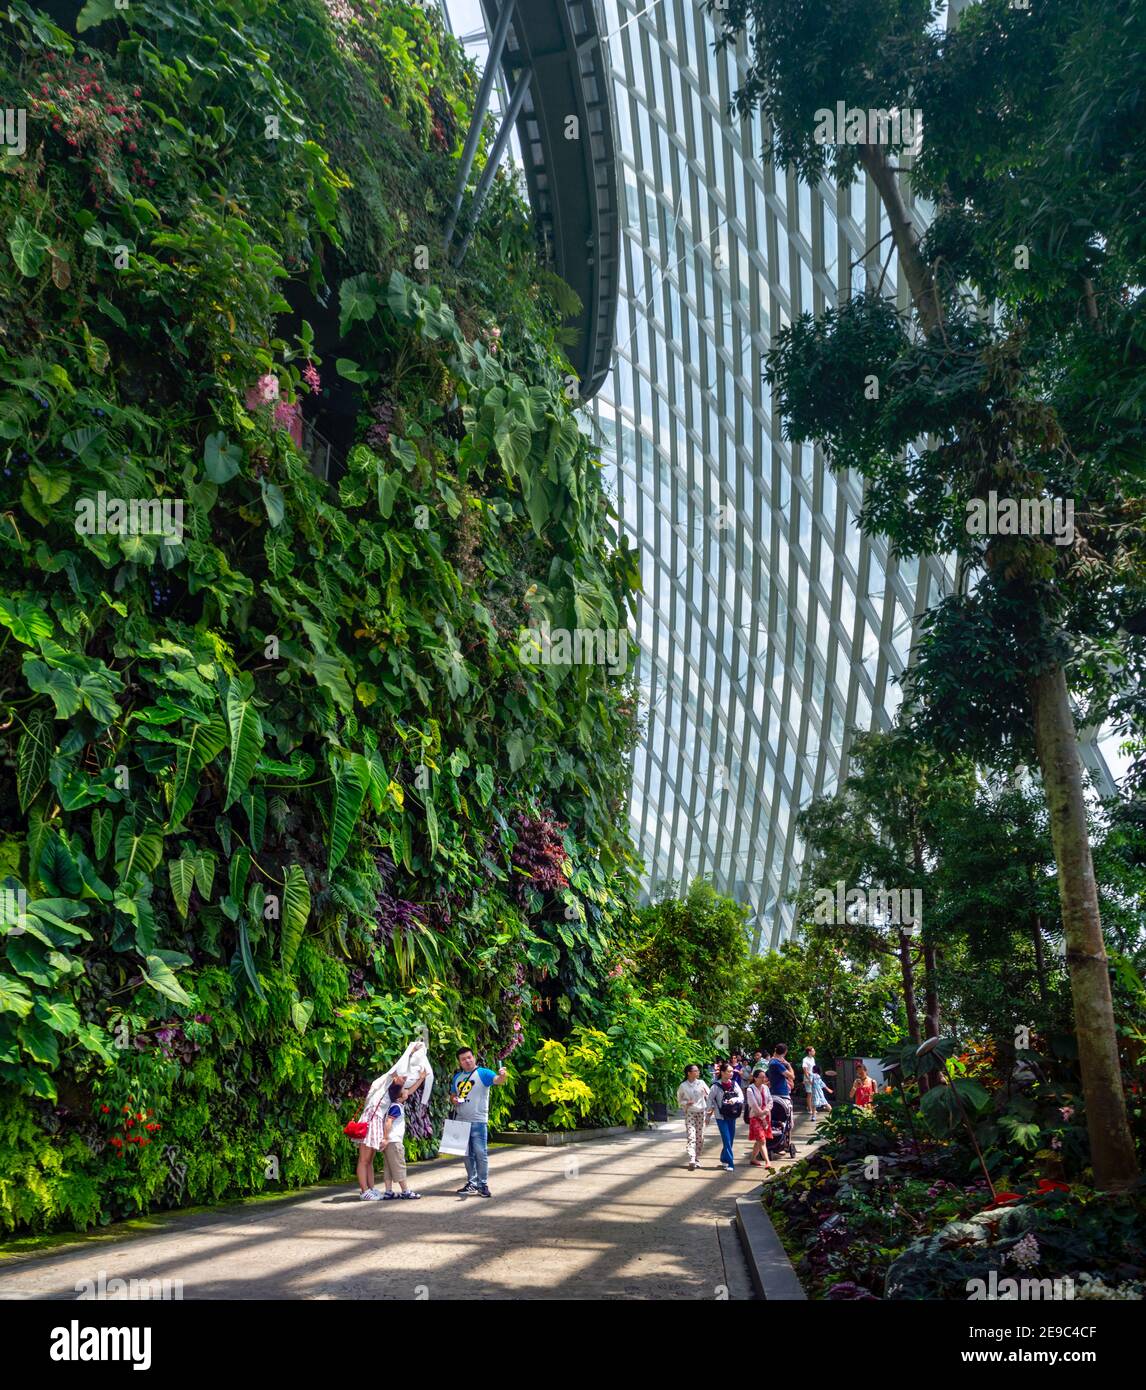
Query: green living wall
{"x": 279, "y": 782}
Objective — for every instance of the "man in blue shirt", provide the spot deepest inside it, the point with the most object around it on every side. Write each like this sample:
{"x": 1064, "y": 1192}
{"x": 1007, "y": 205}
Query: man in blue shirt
{"x": 469, "y": 1094}
{"x": 780, "y": 1074}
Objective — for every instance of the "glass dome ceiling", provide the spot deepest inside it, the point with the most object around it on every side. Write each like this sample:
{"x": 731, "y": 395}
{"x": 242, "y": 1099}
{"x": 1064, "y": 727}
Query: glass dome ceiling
{"x": 769, "y": 625}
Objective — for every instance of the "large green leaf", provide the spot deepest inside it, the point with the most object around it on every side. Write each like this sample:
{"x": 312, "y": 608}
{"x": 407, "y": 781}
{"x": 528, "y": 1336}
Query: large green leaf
{"x": 95, "y": 691}
{"x": 181, "y": 873}
{"x": 29, "y": 957}
{"x": 220, "y": 459}
{"x": 161, "y": 978}
{"x": 356, "y": 301}
{"x": 301, "y": 1012}
{"x": 255, "y": 805}
{"x": 58, "y": 1014}
{"x": 248, "y": 960}
{"x": 136, "y": 853}
{"x": 33, "y": 756}
{"x": 96, "y": 12}
{"x": 204, "y": 866}
{"x": 349, "y": 793}
{"x": 204, "y": 742}
{"x": 95, "y": 1039}
{"x": 14, "y": 996}
{"x": 27, "y": 622}
{"x": 28, "y": 246}
{"x": 102, "y": 824}
{"x": 240, "y": 870}
{"x": 940, "y": 1109}
{"x": 58, "y": 870}
{"x": 246, "y": 741}
{"x": 431, "y": 822}
{"x": 39, "y": 1041}
{"x": 61, "y": 686}
{"x": 296, "y": 911}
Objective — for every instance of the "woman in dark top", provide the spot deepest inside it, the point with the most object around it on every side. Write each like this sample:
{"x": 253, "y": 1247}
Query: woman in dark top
{"x": 726, "y": 1102}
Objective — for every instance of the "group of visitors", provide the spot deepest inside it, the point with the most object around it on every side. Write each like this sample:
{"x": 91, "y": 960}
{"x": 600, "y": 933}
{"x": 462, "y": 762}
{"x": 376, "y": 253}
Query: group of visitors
{"x": 384, "y": 1119}
{"x": 760, "y": 1090}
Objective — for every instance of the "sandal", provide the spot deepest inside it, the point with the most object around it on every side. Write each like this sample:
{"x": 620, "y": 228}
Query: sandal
{"x": 410, "y": 1196}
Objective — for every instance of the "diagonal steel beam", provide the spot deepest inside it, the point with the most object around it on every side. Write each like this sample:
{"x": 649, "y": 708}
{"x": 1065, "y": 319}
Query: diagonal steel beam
{"x": 495, "y": 154}
{"x": 481, "y": 106}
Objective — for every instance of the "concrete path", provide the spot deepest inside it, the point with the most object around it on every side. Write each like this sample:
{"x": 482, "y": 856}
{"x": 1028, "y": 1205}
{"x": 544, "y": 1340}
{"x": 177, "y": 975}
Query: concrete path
{"x": 612, "y": 1218}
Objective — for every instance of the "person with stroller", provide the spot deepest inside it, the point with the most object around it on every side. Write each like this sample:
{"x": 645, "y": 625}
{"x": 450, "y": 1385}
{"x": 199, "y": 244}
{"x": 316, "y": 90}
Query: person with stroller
{"x": 781, "y": 1079}
{"x": 759, "y": 1100}
{"x": 726, "y": 1102}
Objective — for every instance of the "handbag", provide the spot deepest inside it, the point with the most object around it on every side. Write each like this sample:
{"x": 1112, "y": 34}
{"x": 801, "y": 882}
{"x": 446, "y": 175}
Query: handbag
{"x": 455, "y": 1137}
{"x": 359, "y": 1129}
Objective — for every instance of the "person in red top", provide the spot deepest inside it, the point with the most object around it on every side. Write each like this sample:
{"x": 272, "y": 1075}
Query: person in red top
{"x": 863, "y": 1087}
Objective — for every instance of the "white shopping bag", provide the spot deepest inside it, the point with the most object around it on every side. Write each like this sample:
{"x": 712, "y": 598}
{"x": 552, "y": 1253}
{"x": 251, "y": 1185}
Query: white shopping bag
{"x": 455, "y": 1137}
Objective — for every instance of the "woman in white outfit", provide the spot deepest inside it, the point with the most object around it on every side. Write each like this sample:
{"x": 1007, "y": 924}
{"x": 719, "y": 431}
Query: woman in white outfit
{"x": 692, "y": 1097}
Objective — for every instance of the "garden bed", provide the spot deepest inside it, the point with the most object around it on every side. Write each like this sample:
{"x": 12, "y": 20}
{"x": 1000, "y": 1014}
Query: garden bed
{"x": 875, "y": 1214}
{"x": 554, "y": 1137}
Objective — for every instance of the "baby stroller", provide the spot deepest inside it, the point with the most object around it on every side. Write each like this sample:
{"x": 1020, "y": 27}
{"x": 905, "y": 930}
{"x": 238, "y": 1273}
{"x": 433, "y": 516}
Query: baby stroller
{"x": 781, "y": 1141}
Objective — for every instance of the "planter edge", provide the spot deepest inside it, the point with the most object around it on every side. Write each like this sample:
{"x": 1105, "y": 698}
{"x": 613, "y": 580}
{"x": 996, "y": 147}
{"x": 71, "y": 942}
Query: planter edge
{"x": 773, "y": 1276}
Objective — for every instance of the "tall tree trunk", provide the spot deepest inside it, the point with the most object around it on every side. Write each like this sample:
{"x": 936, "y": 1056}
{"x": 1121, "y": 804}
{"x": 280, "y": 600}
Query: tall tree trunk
{"x": 930, "y": 964}
{"x": 917, "y": 272}
{"x": 1111, "y": 1144}
{"x": 1040, "y": 963}
{"x": 907, "y": 968}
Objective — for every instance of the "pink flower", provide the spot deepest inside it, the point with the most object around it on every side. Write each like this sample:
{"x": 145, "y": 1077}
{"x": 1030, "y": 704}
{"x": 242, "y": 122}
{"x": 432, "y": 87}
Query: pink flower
{"x": 265, "y": 390}
{"x": 288, "y": 417}
{"x": 1066, "y": 1111}
{"x": 311, "y": 377}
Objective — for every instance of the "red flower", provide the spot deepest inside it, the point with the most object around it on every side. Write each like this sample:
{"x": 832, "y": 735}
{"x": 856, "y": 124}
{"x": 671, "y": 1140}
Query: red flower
{"x": 1003, "y": 1199}
{"x": 129, "y": 1123}
{"x": 1049, "y": 1185}
{"x": 105, "y": 1109}
{"x": 127, "y": 1109}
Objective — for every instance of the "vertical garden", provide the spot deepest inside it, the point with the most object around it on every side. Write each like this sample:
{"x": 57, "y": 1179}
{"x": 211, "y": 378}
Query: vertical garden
{"x": 281, "y": 490}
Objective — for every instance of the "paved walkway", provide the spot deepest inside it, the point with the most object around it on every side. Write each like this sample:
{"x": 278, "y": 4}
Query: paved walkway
{"x": 612, "y": 1218}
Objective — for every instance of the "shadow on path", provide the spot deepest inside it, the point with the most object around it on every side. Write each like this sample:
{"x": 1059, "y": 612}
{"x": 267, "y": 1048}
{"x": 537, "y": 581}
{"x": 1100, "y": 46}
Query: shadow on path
{"x": 612, "y": 1218}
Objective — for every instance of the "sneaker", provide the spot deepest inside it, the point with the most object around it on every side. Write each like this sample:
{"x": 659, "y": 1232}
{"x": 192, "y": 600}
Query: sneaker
{"x": 369, "y": 1196}
{"x": 483, "y": 1191}
{"x": 409, "y": 1196}
{"x": 467, "y": 1191}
